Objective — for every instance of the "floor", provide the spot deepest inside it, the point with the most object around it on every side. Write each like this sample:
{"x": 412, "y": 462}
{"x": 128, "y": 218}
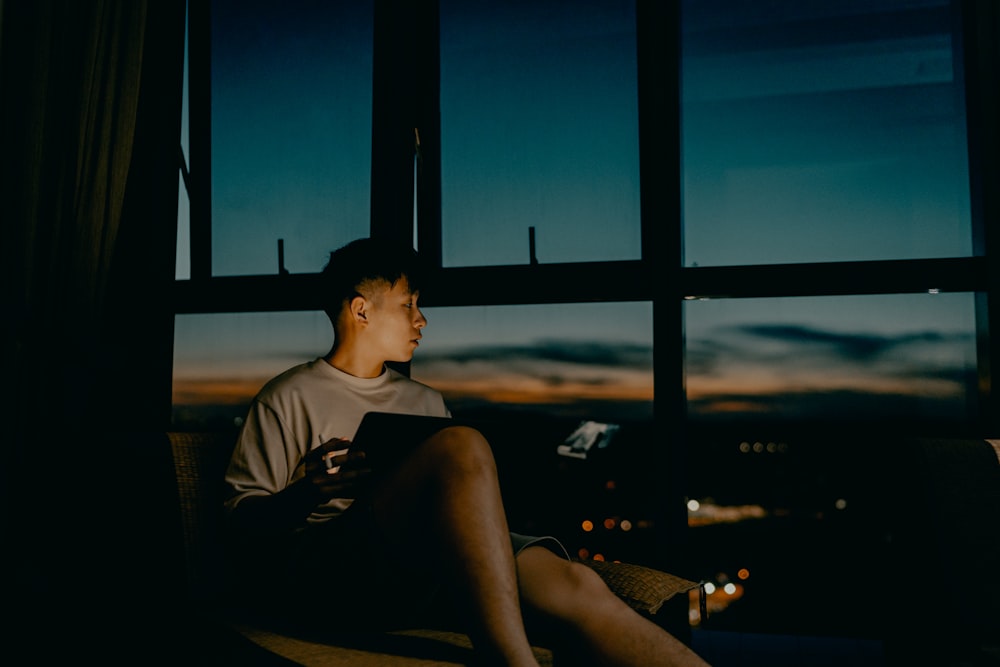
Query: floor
{"x": 740, "y": 649}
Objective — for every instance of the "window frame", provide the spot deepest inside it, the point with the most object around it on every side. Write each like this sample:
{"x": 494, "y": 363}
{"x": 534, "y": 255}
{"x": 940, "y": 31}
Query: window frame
{"x": 405, "y": 96}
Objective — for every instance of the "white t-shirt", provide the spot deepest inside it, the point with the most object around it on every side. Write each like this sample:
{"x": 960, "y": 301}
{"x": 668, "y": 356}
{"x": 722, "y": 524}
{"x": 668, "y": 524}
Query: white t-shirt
{"x": 305, "y": 406}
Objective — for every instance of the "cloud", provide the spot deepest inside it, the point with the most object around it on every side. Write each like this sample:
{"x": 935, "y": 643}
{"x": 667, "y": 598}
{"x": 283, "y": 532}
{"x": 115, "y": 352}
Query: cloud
{"x": 548, "y": 372}
{"x": 582, "y": 353}
{"x": 852, "y": 346}
{"x": 794, "y": 346}
{"x": 794, "y": 371}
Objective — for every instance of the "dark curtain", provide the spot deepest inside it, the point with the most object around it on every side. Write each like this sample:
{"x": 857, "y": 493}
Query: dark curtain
{"x": 90, "y": 97}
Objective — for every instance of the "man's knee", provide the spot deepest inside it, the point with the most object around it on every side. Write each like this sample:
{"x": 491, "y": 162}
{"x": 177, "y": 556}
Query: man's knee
{"x": 558, "y": 587}
{"x": 461, "y": 447}
{"x": 582, "y": 582}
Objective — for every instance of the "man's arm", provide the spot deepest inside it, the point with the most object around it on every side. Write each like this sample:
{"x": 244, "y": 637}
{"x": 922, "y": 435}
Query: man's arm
{"x": 331, "y": 471}
{"x": 277, "y": 513}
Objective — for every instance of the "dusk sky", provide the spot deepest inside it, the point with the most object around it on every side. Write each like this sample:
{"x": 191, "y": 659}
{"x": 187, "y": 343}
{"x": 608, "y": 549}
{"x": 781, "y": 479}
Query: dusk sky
{"x": 799, "y": 144}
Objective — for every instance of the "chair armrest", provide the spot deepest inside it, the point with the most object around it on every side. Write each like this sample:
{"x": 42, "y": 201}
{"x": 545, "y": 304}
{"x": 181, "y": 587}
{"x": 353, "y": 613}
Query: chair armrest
{"x": 642, "y": 588}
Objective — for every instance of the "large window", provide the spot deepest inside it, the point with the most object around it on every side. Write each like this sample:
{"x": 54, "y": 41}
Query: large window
{"x": 747, "y": 219}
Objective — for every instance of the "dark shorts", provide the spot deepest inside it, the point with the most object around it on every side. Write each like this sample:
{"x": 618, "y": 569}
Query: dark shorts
{"x": 344, "y": 569}
{"x": 521, "y": 542}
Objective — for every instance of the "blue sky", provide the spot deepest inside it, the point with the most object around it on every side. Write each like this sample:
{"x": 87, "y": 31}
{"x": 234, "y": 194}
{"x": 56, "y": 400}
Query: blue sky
{"x": 803, "y": 147}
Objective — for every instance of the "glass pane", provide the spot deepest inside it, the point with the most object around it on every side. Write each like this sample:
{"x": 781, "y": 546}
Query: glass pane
{"x": 843, "y": 358}
{"x": 530, "y": 376}
{"x": 778, "y": 500}
{"x": 182, "y": 265}
{"x": 822, "y": 132}
{"x": 221, "y": 360}
{"x": 581, "y": 361}
{"x": 539, "y": 128}
{"x": 291, "y": 132}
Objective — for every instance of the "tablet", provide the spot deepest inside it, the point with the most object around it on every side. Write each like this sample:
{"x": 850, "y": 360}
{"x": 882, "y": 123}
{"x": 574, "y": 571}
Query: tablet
{"x": 387, "y": 437}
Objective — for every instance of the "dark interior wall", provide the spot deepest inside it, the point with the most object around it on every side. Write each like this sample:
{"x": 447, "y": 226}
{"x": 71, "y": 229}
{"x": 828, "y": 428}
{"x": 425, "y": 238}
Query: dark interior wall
{"x": 941, "y": 598}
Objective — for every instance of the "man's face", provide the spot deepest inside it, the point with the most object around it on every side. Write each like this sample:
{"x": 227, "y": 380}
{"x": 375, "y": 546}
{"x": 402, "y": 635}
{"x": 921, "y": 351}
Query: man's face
{"x": 394, "y": 321}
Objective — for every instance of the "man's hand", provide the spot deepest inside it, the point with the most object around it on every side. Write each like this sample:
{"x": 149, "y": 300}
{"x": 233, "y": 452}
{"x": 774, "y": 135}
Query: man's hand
{"x": 346, "y": 476}
{"x": 334, "y": 471}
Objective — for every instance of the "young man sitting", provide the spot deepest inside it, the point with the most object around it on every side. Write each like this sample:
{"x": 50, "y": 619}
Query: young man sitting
{"x": 317, "y": 535}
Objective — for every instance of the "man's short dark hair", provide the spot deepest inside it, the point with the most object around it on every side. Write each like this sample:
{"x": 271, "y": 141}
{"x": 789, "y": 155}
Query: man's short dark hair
{"x": 364, "y": 260}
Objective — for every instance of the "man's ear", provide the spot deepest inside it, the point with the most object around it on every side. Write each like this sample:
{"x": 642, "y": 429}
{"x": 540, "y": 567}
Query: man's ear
{"x": 359, "y": 309}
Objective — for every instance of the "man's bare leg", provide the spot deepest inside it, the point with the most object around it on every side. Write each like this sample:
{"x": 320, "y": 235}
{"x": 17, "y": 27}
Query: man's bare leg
{"x": 452, "y": 479}
{"x": 577, "y": 602}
